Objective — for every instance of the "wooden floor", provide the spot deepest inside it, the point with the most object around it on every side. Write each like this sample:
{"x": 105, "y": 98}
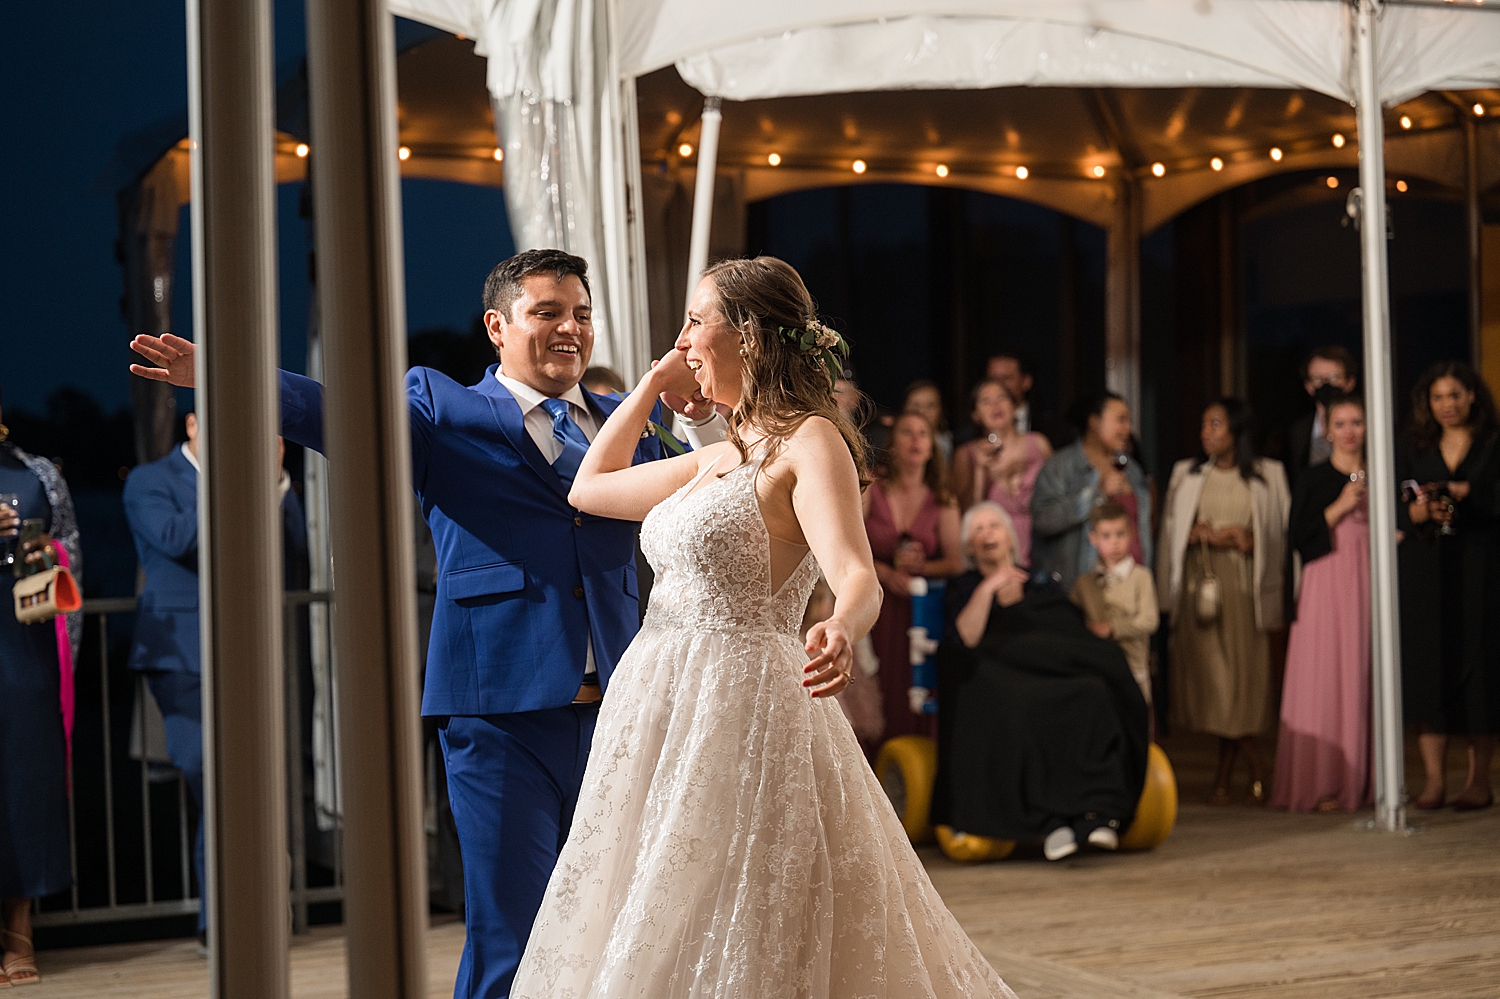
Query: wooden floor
{"x": 1239, "y": 902}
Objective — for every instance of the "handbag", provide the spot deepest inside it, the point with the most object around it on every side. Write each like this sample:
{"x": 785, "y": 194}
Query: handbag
{"x": 45, "y": 594}
{"x": 1209, "y": 597}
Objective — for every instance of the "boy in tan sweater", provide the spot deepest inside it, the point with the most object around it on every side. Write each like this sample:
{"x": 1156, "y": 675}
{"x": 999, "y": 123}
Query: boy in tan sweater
{"x": 1119, "y": 597}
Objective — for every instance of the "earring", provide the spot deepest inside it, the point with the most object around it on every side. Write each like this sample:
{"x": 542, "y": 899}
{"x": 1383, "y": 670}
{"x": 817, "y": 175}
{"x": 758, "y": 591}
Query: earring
{"x": 744, "y": 348}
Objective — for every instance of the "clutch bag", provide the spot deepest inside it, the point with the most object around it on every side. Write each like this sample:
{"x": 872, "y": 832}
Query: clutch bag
{"x": 43, "y": 595}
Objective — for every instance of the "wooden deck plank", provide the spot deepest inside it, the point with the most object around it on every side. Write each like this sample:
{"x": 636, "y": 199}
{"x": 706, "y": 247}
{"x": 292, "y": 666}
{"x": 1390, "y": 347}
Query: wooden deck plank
{"x": 1240, "y": 902}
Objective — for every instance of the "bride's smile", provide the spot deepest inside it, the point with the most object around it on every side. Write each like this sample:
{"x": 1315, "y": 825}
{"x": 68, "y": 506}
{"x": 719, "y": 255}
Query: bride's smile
{"x": 712, "y": 347}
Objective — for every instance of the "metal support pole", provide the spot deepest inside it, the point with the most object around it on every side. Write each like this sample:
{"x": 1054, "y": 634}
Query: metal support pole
{"x": 1474, "y": 226}
{"x": 1390, "y": 805}
{"x": 361, "y": 302}
{"x": 1122, "y": 295}
{"x": 703, "y": 194}
{"x": 232, "y": 114}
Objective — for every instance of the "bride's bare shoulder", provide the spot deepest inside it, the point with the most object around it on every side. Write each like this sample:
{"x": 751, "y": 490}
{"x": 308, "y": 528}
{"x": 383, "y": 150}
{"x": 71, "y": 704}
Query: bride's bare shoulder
{"x": 818, "y": 442}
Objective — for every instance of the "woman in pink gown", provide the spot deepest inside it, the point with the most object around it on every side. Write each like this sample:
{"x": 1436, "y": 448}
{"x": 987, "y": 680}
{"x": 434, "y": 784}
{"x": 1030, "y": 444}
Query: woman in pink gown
{"x": 1001, "y": 464}
{"x": 912, "y": 522}
{"x": 1323, "y": 755}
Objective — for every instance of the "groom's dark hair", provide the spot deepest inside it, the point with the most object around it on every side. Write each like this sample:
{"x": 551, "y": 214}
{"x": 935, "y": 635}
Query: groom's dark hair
{"x": 503, "y": 286}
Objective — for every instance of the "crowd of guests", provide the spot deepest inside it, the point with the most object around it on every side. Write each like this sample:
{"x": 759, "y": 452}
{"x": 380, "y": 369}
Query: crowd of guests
{"x": 1020, "y": 512}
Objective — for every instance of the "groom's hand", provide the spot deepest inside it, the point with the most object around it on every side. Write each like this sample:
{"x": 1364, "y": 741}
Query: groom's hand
{"x": 173, "y": 356}
{"x": 678, "y": 388}
{"x": 832, "y": 667}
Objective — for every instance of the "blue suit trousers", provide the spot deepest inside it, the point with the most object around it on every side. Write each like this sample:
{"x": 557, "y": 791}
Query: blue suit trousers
{"x": 513, "y": 782}
{"x": 180, "y": 698}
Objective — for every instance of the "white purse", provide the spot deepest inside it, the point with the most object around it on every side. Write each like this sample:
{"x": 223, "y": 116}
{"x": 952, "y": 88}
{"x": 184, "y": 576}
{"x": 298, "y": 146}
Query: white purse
{"x": 43, "y": 595}
{"x": 1209, "y": 598}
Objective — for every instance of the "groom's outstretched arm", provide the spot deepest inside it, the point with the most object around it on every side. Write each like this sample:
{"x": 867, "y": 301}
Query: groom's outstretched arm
{"x": 301, "y": 397}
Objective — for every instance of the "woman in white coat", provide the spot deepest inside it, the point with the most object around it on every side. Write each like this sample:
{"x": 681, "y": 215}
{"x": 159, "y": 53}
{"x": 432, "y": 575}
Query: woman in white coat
{"x": 1219, "y": 575}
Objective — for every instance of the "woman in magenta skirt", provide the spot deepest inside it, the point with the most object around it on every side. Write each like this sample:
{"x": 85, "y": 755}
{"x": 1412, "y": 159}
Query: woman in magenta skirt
{"x": 1323, "y": 755}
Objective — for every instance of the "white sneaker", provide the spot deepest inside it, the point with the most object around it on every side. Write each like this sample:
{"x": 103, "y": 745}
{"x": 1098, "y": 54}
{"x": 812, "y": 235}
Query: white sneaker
{"x": 1104, "y": 838}
{"x": 1060, "y": 843}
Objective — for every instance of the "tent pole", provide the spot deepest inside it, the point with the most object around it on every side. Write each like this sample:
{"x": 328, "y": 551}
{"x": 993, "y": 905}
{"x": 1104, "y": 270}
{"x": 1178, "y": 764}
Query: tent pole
{"x": 1385, "y": 625}
{"x": 703, "y": 194}
{"x": 1474, "y": 220}
{"x": 351, "y": 62}
{"x": 232, "y": 123}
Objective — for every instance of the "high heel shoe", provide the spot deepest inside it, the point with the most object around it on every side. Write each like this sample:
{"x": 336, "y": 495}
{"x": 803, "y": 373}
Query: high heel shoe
{"x": 1463, "y": 803}
{"x": 1426, "y": 804}
{"x": 1257, "y": 795}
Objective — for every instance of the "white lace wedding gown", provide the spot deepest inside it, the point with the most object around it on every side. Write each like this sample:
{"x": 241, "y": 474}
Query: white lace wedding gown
{"x": 730, "y": 841}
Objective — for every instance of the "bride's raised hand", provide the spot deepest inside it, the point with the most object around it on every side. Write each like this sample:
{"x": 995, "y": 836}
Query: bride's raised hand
{"x": 678, "y": 388}
{"x": 173, "y": 356}
{"x": 831, "y": 668}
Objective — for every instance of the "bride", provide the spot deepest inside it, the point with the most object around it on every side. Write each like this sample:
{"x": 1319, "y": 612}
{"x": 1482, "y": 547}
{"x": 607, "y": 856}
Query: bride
{"x": 730, "y": 840}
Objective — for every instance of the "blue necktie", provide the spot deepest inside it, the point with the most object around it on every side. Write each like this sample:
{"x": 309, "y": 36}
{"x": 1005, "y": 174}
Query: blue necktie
{"x": 570, "y": 435}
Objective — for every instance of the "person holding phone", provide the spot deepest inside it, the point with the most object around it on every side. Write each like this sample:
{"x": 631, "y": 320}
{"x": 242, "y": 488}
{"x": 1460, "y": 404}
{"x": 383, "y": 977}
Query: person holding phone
{"x": 35, "y": 701}
{"x": 1449, "y": 562}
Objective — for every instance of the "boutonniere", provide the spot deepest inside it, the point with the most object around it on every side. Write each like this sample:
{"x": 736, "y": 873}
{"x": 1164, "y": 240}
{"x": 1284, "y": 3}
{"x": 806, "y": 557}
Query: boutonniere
{"x": 672, "y": 444}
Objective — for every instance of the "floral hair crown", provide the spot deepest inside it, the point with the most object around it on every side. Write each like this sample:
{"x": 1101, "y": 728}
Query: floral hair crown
{"x": 829, "y": 346}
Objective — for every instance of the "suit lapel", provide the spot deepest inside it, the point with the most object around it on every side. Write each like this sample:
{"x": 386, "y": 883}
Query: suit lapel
{"x": 508, "y": 414}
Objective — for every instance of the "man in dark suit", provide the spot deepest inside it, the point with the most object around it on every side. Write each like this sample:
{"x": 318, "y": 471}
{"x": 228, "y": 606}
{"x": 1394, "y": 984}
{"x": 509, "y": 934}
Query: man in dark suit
{"x": 1015, "y": 372}
{"x": 535, "y": 601}
{"x": 161, "y": 505}
{"x": 1307, "y": 439}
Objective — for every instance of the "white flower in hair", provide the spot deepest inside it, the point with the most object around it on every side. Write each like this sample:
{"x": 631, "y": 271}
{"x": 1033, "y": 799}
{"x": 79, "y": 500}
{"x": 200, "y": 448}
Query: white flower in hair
{"x": 822, "y": 335}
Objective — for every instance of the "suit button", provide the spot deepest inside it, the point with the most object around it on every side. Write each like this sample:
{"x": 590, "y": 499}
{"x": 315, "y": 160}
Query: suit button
{"x": 578, "y": 592}
{"x": 578, "y": 520}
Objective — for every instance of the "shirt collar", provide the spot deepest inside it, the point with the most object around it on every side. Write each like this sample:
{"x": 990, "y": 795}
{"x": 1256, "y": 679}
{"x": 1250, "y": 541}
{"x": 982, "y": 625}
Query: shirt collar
{"x": 529, "y": 398}
{"x": 1120, "y": 572}
{"x": 187, "y": 453}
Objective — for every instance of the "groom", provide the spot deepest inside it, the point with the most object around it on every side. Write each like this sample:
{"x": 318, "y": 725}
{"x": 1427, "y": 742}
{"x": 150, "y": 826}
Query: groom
{"x": 536, "y": 601}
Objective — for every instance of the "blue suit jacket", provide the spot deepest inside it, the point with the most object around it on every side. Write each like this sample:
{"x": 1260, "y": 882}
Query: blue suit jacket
{"x": 523, "y": 578}
{"x": 161, "y": 504}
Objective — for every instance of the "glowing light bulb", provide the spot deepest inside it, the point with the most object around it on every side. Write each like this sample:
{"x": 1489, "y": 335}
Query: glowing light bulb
{"x": 403, "y": 154}
{"x": 858, "y": 166}
{"x": 1338, "y": 140}
{"x": 1158, "y": 169}
{"x": 1401, "y": 186}
{"x": 1406, "y": 121}
{"x": 1098, "y": 171}
{"x": 1479, "y": 110}
{"x": 1332, "y": 182}
{"x": 942, "y": 170}
{"x": 302, "y": 150}
{"x": 499, "y": 155}
{"x": 1022, "y": 173}
{"x": 774, "y": 159}
{"x": 1276, "y": 153}
{"x": 1216, "y": 164}
{"x": 685, "y": 150}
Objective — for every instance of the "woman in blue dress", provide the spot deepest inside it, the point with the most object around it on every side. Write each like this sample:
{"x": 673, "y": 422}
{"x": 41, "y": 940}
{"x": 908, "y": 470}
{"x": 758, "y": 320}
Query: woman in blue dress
{"x": 33, "y": 754}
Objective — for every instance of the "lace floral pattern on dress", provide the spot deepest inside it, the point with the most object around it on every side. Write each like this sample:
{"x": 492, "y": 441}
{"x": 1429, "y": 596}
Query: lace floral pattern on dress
{"x": 730, "y": 839}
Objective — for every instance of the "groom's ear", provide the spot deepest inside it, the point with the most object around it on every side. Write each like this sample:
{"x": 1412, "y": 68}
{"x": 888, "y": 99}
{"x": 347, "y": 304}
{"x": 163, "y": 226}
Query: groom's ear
{"x": 494, "y": 327}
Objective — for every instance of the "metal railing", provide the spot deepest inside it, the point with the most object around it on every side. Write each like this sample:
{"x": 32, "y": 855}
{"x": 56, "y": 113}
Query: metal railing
{"x": 98, "y": 893}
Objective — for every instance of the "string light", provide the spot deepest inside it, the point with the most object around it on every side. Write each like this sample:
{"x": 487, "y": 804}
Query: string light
{"x": 1022, "y": 173}
{"x": 1479, "y": 110}
{"x": 1406, "y": 121}
{"x": 942, "y": 170}
{"x": 1338, "y": 140}
{"x": 1159, "y": 169}
{"x": 302, "y": 150}
{"x": 499, "y": 155}
{"x": 403, "y": 154}
{"x": 858, "y": 166}
{"x": 685, "y": 150}
{"x": 1216, "y": 164}
{"x": 1276, "y": 153}
{"x": 1098, "y": 171}
{"x": 1332, "y": 182}
{"x": 774, "y": 159}
{"x": 1401, "y": 186}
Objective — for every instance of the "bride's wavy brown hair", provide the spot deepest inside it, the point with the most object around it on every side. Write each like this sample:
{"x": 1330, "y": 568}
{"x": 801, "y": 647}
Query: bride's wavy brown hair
{"x": 782, "y": 385}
